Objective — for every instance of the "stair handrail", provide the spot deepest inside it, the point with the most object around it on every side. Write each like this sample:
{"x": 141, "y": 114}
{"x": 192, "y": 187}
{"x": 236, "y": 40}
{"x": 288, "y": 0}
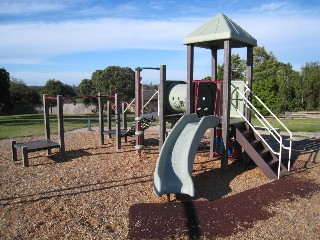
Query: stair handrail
{"x": 262, "y": 139}
{"x": 279, "y": 121}
{"x": 259, "y": 117}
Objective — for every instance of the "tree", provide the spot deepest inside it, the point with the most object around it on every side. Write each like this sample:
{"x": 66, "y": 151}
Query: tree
{"x": 5, "y": 100}
{"x": 265, "y": 79}
{"x": 86, "y": 88}
{"x": 287, "y": 96}
{"x": 114, "y": 79}
{"x": 238, "y": 68}
{"x": 309, "y": 88}
{"x": 55, "y": 87}
{"x": 22, "y": 94}
{"x": 274, "y": 82}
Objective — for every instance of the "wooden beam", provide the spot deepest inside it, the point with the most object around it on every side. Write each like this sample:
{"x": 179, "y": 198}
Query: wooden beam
{"x": 109, "y": 118}
{"x": 60, "y": 123}
{"x": 226, "y": 103}
{"x": 162, "y": 104}
{"x": 214, "y": 68}
{"x": 101, "y": 123}
{"x": 14, "y": 150}
{"x": 249, "y": 74}
{"x": 190, "y": 94}
{"x": 124, "y": 120}
{"x": 46, "y": 118}
{"x": 118, "y": 133}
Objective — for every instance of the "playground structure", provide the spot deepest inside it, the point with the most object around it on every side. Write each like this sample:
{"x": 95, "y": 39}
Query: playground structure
{"x": 199, "y": 105}
{"x": 173, "y": 172}
{"x": 47, "y": 143}
{"x": 118, "y": 132}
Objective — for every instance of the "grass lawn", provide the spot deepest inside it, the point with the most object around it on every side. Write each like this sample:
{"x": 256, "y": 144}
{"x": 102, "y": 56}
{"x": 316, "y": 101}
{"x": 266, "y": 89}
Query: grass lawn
{"x": 294, "y": 125}
{"x": 32, "y": 124}
{"x": 26, "y": 125}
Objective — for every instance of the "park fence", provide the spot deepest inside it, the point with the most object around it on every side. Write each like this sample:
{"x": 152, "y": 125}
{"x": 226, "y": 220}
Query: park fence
{"x": 302, "y": 114}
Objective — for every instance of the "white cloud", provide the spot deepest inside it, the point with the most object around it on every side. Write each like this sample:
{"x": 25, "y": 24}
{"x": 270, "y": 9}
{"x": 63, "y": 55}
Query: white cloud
{"x": 40, "y": 40}
{"x": 271, "y": 6}
{"x": 28, "y": 6}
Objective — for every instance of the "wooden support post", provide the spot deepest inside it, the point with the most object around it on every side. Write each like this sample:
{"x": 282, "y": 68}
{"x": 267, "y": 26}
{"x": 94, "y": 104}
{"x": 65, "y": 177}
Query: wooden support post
{"x": 109, "y": 118}
{"x": 25, "y": 159}
{"x": 162, "y": 105}
{"x": 46, "y": 118}
{"x": 118, "y": 123}
{"x": 139, "y": 144}
{"x": 214, "y": 68}
{"x": 226, "y": 103}
{"x": 190, "y": 94}
{"x": 124, "y": 121}
{"x": 14, "y": 150}
{"x": 101, "y": 123}
{"x": 249, "y": 72}
{"x": 60, "y": 123}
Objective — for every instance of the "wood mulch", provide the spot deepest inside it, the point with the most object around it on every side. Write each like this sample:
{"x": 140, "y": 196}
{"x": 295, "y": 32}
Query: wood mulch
{"x": 97, "y": 192}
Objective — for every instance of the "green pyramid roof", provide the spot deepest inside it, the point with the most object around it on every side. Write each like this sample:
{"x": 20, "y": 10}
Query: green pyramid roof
{"x": 218, "y": 29}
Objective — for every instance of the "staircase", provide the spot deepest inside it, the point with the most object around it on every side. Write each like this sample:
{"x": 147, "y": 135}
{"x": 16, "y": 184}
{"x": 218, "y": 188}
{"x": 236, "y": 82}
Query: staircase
{"x": 268, "y": 157}
{"x": 258, "y": 151}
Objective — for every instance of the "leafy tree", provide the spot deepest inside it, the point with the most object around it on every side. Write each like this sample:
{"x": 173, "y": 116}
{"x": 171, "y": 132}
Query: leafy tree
{"x": 238, "y": 68}
{"x": 114, "y": 79}
{"x": 274, "y": 82}
{"x": 5, "y": 100}
{"x": 265, "y": 79}
{"x": 86, "y": 87}
{"x": 22, "y": 94}
{"x": 310, "y": 86}
{"x": 55, "y": 87}
{"x": 287, "y": 96}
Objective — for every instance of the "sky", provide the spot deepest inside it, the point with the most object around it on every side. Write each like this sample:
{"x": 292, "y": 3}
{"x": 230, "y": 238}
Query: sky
{"x": 68, "y": 40}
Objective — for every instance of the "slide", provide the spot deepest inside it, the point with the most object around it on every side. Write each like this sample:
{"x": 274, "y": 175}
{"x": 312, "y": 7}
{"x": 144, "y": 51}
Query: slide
{"x": 173, "y": 173}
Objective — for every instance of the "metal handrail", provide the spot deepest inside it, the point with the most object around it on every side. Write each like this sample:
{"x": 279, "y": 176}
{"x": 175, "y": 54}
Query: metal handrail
{"x": 150, "y": 99}
{"x": 144, "y": 104}
{"x": 267, "y": 126}
{"x": 129, "y": 105}
{"x": 279, "y": 121}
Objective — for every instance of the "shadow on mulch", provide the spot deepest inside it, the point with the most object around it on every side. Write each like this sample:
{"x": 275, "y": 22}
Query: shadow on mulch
{"x": 215, "y": 183}
{"x": 222, "y": 217}
{"x": 74, "y": 190}
{"x": 309, "y": 146}
{"x": 69, "y": 155}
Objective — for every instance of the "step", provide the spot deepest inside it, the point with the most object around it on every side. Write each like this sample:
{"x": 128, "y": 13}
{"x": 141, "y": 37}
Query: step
{"x": 249, "y": 135}
{"x": 257, "y": 144}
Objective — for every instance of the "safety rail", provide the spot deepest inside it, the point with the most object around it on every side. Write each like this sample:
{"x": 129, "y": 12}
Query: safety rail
{"x": 272, "y": 131}
{"x": 146, "y": 104}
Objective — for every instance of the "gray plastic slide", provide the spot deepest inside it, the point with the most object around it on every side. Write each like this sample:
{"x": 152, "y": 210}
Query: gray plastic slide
{"x": 173, "y": 173}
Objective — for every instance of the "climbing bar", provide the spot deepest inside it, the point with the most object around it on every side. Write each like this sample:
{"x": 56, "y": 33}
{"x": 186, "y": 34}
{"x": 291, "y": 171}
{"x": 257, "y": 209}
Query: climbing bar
{"x": 51, "y": 98}
{"x": 84, "y": 97}
{"x": 145, "y": 68}
{"x": 207, "y": 81}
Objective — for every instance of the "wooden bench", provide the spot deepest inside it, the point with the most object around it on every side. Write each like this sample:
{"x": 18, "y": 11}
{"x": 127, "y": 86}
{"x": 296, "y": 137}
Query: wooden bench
{"x": 113, "y": 132}
{"x": 32, "y": 146}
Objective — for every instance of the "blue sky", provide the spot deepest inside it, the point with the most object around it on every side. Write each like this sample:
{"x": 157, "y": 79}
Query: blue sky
{"x": 69, "y": 39}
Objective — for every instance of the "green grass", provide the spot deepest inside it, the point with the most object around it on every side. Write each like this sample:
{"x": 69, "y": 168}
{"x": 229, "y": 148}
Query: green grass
{"x": 33, "y": 125}
{"x": 294, "y": 125}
